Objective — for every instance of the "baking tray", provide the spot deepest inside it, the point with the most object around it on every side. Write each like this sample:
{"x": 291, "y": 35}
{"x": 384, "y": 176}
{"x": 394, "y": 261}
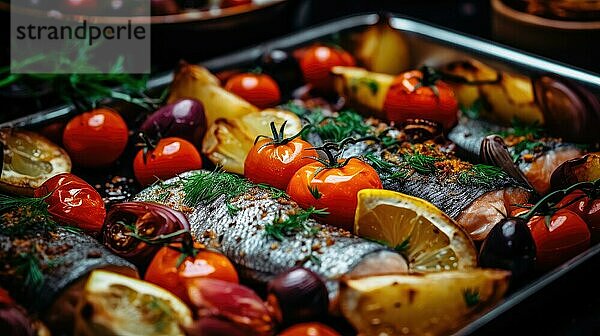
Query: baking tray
{"x": 429, "y": 45}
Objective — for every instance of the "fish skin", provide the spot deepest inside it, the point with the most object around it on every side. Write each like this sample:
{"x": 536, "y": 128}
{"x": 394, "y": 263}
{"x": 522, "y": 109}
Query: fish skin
{"x": 77, "y": 254}
{"x": 241, "y": 236}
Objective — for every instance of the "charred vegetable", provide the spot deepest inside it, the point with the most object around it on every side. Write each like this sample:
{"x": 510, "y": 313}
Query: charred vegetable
{"x": 183, "y": 118}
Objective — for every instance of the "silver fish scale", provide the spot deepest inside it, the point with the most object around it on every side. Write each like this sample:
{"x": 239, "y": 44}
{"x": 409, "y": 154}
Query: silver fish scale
{"x": 241, "y": 236}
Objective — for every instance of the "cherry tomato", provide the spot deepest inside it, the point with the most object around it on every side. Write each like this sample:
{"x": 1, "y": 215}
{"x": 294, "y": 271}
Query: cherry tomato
{"x": 565, "y": 237}
{"x": 415, "y": 95}
{"x": 96, "y": 138}
{"x": 274, "y": 160}
{"x": 171, "y": 156}
{"x": 309, "y": 329}
{"x": 73, "y": 201}
{"x": 587, "y": 209}
{"x": 233, "y": 3}
{"x": 163, "y": 269}
{"x": 258, "y": 89}
{"x": 335, "y": 189}
{"x": 317, "y": 61}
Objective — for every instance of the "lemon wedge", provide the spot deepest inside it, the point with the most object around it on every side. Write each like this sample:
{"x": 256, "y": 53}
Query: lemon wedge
{"x": 429, "y": 239}
{"x": 228, "y": 141}
{"x": 420, "y": 304}
{"x": 114, "y": 304}
{"x": 29, "y": 159}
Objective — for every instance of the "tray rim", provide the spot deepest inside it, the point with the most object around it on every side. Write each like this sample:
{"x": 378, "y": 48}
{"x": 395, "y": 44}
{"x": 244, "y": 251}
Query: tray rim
{"x": 466, "y": 42}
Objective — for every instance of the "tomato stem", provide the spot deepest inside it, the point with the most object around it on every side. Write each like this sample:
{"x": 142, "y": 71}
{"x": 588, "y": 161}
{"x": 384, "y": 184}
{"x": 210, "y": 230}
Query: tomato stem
{"x": 277, "y": 137}
{"x": 548, "y": 202}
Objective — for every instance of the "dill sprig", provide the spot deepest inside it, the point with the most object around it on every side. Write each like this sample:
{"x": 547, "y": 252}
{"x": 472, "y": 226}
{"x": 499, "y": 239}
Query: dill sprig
{"x": 30, "y": 268}
{"x": 422, "y": 164}
{"x": 526, "y": 146}
{"x": 384, "y": 166}
{"x": 482, "y": 175}
{"x": 519, "y": 128}
{"x": 292, "y": 224}
{"x": 346, "y": 124}
{"x": 206, "y": 187}
{"x": 37, "y": 204}
{"x": 20, "y": 214}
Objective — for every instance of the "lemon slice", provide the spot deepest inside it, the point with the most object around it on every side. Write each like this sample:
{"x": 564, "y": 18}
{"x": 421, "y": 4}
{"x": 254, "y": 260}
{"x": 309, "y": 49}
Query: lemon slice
{"x": 420, "y": 304}
{"x": 114, "y": 304}
{"x": 228, "y": 141}
{"x": 429, "y": 239}
{"x": 29, "y": 159}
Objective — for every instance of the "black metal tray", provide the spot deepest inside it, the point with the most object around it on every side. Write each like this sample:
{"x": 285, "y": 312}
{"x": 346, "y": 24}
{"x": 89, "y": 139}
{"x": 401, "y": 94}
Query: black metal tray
{"x": 429, "y": 45}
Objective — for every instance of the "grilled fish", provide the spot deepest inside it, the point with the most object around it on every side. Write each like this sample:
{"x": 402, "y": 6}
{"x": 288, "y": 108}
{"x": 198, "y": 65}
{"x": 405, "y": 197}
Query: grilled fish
{"x": 45, "y": 268}
{"x": 242, "y": 233}
{"x": 525, "y": 152}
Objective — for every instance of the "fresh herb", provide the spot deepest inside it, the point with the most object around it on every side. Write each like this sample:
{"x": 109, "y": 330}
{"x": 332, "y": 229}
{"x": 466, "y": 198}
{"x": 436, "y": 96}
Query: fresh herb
{"x": 314, "y": 259}
{"x": 481, "y": 174}
{"x": 526, "y": 146}
{"x": 295, "y": 108}
{"x": 37, "y": 204}
{"x": 232, "y": 210}
{"x": 471, "y": 296}
{"x": 29, "y": 268}
{"x": 422, "y": 164}
{"x": 206, "y": 187}
{"x": 275, "y": 193}
{"x": 346, "y": 124}
{"x": 519, "y": 128}
{"x": 25, "y": 213}
{"x": 293, "y": 224}
{"x": 403, "y": 246}
{"x": 394, "y": 171}
{"x": 314, "y": 191}
{"x": 474, "y": 110}
{"x": 371, "y": 84}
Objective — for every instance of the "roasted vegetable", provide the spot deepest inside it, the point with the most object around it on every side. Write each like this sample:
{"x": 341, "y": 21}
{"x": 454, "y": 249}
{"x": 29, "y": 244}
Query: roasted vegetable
{"x": 364, "y": 90}
{"x": 183, "y": 118}
{"x": 29, "y": 160}
{"x": 586, "y": 168}
{"x": 113, "y": 304}
{"x": 256, "y": 88}
{"x": 420, "y": 304}
{"x": 317, "y": 61}
{"x": 96, "y": 138}
{"x": 192, "y": 81}
{"x": 383, "y": 49}
{"x": 228, "y": 141}
{"x": 506, "y": 96}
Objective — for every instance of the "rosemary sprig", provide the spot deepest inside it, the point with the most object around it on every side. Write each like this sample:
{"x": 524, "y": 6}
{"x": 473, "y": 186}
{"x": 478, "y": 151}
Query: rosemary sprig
{"x": 422, "y": 164}
{"x": 481, "y": 174}
{"x": 293, "y": 224}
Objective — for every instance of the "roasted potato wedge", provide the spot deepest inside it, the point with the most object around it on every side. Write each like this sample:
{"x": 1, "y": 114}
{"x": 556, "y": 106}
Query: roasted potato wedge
{"x": 383, "y": 49}
{"x": 192, "y": 81}
{"x": 228, "y": 141}
{"x": 362, "y": 89}
{"x": 29, "y": 159}
{"x": 511, "y": 97}
{"x": 420, "y": 304}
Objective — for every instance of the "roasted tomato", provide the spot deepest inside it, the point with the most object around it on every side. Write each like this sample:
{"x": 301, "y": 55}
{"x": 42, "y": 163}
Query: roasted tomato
{"x": 73, "y": 202}
{"x": 333, "y": 186}
{"x": 96, "y": 138}
{"x": 258, "y": 89}
{"x": 170, "y": 269}
{"x": 588, "y": 209}
{"x": 317, "y": 61}
{"x": 309, "y": 329}
{"x": 421, "y": 95}
{"x": 559, "y": 238}
{"x": 274, "y": 160}
{"x": 166, "y": 159}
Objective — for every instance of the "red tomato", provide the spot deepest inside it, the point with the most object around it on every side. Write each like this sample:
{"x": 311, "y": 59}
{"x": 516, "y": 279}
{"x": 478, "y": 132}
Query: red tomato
{"x": 170, "y": 157}
{"x": 317, "y": 61}
{"x": 335, "y": 189}
{"x": 163, "y": 270}
{"x": 274, "y": 160}
{"x": 258, "y": 89}
{"x": 565, "y": 237}
{"x": 588, "y": 210}
{"x": 233, "y": 3}
{"x": 5, "y": 297}
{"x": 73, "y": 202}
{"x": 309, "y": 329}
{"x": 412, "y": 96}
{"x": 96, "y": 138}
